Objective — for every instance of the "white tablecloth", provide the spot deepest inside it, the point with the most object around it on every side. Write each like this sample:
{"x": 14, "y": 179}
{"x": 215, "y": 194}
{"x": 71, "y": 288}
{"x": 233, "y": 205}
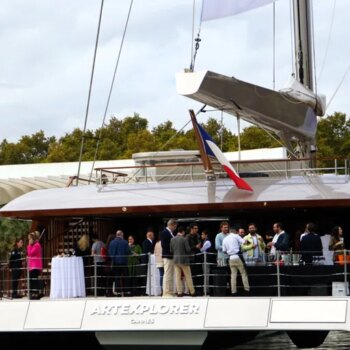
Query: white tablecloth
{"x": 67, "y": 277}
{"x": 153, "y": 278}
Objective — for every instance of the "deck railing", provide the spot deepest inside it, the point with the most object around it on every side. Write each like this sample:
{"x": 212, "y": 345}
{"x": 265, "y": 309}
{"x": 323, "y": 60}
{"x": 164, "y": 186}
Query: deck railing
{"x": 285, "y": 168}
{"x": 285, "y": 275}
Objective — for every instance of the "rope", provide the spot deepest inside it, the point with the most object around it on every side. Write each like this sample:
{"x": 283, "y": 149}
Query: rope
{"x": 89, "y": 95}
{"x": 111, "y": 89}
{"x": 338, "y": 87}
{"x": 276, "y": 139}
{"x": 197, "y": 40}
{"x": 193, "y": 19}
{"x": 328, "y": 40}
{"x": 222, "y": 129}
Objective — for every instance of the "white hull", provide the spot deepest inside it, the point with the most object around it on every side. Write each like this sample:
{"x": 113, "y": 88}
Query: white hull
{"x": 113, "y": 319}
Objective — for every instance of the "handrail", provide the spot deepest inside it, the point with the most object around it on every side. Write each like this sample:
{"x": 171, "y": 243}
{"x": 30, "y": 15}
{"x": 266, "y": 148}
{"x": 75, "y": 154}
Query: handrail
{"x": 286, "y": 170}
{"x": 254, "y": 161}
{"x": 277, "y": 278}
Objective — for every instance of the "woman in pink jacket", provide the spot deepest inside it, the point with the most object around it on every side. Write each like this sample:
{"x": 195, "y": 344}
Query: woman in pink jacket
{"x": 35, "y": 264}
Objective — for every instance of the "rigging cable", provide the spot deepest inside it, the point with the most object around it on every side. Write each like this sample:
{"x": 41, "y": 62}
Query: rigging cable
{"x": 222, "y": 130}
{"x": 202, "y": 110}
{"x": 197, "y": 40}
{"x": 111, "y": 89}
{"x": 192, "y": 37}
{"x": 338, "y": 87}
{"x": 328, "y": 40}
{"x": 274, "y": 46}
{"x": 89, "y": 95}
{"x": 275, "y": 138}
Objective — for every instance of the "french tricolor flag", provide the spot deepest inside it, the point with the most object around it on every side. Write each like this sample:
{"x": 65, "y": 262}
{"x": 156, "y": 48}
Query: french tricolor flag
{"x": 214, "y": 151}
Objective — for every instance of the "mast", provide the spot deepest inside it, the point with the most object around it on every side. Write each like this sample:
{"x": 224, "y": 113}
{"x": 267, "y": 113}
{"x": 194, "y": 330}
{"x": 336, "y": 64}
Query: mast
{"x": 303, "y": 41}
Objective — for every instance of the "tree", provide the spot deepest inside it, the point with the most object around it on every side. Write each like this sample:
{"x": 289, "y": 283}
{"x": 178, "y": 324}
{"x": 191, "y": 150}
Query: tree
{"x": 333, "y": 136}
{"x": 117, "y": 132}
{"x": 29, "y": 149}
{"x": 9, "y": 231}
{"x": 140, "y": 141}
{"x": 254, "y": 137}
{"x": 164, "y": 136}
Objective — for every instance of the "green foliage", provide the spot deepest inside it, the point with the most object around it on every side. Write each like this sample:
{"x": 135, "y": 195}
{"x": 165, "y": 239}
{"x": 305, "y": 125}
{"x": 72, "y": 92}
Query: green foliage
{"x": 9, "y": 231}
{"x": 120, "y": 138}
{"x": 254, "y": 137}
{"x": 333, "y": 136}
{"x": 29, "y": 149}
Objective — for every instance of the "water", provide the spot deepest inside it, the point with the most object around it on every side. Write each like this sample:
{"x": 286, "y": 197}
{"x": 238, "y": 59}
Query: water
{"x": 335, "y": 340}
{"x": 274, "y": 341}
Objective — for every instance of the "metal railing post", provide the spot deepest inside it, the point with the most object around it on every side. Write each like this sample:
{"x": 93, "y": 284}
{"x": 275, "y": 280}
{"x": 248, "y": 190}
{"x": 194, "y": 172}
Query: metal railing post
{"x": 95, "y": 278}
{"x": 2, "y": 282}
{"x": 28, "y": 278}
{"x": 346, "y": 166}
{"x": 336, "y": 166}
{"x": 149, "y": 273}
{"x": 345, "y": 273}
{"x": 205, "y": 274}
{"x": 278, "y": 273}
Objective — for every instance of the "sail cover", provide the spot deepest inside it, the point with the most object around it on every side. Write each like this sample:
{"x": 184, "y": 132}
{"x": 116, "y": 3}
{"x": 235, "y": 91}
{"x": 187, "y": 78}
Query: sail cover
{"x": 213, "y": 9}
{"x": 274, "y": 110}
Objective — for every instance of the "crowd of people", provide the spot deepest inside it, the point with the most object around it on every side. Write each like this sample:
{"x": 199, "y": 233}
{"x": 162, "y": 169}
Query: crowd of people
{"x": 179, "y": 257}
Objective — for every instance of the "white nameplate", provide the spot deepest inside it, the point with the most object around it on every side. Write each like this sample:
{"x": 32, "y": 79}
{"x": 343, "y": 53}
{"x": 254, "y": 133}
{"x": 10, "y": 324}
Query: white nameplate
{"x": 308, "y": 311}
{"x": 141, "y": 314}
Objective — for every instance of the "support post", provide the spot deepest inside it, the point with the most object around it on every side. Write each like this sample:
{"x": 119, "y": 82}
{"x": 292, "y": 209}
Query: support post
{"x": 345, "y": 273}
{"x": 95, "y": 278}
{"x": 205, "y": 274}
{"x": 278, "y": 273}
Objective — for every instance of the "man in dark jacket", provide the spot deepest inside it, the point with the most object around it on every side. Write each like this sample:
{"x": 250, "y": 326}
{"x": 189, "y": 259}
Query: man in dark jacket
{"x": 118, "y": 251}
{"x": 165, "y": 237}
{"x": 15, "y": 265}
{"x": 311, "y": 244}
{"x": 196, "y": 259}
{"x": 147, "y": 248}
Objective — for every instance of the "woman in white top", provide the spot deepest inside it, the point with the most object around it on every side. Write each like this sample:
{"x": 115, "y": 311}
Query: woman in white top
{"x": 159, "y": 261}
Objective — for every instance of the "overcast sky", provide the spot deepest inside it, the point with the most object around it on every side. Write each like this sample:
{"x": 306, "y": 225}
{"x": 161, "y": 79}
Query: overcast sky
{"x": 47, "y": 50}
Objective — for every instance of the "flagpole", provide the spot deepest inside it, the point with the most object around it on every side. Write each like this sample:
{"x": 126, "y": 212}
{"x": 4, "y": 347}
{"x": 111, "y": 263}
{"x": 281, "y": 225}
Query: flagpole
{"x": 239, "y": 136}
{"x": 208, "y": 168}
{"x": 205, "y": 159}
{"x": 207, "y": 147}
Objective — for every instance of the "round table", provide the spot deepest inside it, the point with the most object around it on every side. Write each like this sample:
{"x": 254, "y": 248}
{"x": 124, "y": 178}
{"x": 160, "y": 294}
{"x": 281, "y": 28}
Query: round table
{"x": 67, "y": 277}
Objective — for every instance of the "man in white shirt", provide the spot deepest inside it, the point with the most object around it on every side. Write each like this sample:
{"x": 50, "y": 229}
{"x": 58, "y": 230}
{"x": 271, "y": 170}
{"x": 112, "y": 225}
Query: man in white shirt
{"x": 232, "y": 245}
{"x": 222, "y": 256}
{"x": 280, "y": 240}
